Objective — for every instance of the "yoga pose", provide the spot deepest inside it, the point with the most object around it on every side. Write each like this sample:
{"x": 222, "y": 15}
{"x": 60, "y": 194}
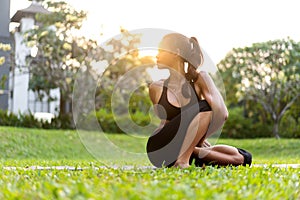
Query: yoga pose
{"x": 190, "y": 108}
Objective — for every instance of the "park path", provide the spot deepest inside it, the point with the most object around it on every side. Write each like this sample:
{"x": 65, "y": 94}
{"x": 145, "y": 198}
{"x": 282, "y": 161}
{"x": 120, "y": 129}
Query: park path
{"x": 126, "y": 167}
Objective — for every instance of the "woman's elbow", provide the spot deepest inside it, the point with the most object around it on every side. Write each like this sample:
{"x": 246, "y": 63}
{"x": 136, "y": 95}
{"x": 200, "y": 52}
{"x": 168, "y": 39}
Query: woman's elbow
{"x": 224, "y": 112}
{"x": 223, "y": 116}
{"x": 226, "y": 115}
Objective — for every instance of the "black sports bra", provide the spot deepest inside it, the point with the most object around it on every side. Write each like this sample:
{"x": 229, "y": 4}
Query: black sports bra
{"x": 168, "y": 111}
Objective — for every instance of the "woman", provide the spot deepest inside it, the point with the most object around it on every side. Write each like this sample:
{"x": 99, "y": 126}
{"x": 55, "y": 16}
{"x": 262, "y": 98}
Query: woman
{"x": 190, "y": 108}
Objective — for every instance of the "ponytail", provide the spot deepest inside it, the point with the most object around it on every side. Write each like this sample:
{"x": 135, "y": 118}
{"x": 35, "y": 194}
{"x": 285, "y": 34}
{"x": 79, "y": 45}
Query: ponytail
{"x": 195, "y": 60}
{"x": 191, "y": 75}
{"x": 196, "y": 53}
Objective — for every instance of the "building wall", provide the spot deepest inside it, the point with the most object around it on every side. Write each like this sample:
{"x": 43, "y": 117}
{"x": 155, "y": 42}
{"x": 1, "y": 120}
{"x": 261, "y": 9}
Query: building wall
{"x": 20, "y": 74}
{"x": 4, "y": 18}
{"x": 4, "y": 38}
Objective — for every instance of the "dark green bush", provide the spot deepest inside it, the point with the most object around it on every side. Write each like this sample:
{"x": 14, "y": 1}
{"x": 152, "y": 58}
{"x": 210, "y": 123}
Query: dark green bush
{"x": 237, "y": 126}
{"x": 107, "y": 122}
{"x": 28, "y": 120}
{"x": 111, "y": 123}
{"x": 139, "y": 123}
{"x": 61, "y": 122}
{"x": 8, "y": 119}
{"x": 289, "y": 127}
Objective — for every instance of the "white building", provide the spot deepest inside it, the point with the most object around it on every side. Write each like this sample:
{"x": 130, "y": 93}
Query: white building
{"x": 21, "y": 99}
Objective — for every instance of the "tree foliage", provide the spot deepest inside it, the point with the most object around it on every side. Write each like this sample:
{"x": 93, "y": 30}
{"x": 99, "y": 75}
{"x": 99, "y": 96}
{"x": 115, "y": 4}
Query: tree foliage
{"x": 123, "y": 64}
{"x": 4, "y": 47}
{"x": 61, "y": 54}
{"x": 55, "y": 66}
{"x": 266, "y": 73}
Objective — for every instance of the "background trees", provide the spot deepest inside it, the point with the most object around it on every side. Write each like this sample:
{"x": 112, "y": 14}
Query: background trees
{"x": 55, "y": 64}
{"x": 61, "y": 54}
{"x": 265, "y": 76}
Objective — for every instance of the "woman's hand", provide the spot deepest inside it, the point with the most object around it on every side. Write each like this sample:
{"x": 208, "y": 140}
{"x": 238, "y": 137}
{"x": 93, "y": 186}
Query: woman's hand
{"x": 205, "y": 144}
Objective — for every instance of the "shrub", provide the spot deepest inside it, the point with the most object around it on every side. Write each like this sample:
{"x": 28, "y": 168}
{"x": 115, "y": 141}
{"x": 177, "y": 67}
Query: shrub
{"x": 237, "y": 126}
{"x": 8, "y": 119}
{"x": 29, "y": 121}
{"x": 108, "y": 123}
{"x": 289, "y": 127}
{"x": 64, "y": 121}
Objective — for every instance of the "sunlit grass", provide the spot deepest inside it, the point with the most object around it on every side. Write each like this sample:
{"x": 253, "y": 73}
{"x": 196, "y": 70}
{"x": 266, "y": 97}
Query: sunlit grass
{"x": 18, "y": 144}
{"x": 23, "y": 148}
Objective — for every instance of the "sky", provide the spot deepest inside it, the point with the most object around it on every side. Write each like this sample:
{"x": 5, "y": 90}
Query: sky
{"x": 219, "y": 25}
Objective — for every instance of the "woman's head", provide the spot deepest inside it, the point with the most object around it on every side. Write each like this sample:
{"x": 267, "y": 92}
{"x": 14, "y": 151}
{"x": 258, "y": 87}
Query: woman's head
{"x": 187, "y": 48}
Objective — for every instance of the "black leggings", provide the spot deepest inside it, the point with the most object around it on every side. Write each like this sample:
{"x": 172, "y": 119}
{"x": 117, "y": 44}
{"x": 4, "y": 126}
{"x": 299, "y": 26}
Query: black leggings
{"x": 198, "y": 162}
{"x": 163, "y": 147}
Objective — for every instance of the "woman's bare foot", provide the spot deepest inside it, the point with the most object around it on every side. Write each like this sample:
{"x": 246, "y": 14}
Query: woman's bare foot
{"x": 181, "y": 165}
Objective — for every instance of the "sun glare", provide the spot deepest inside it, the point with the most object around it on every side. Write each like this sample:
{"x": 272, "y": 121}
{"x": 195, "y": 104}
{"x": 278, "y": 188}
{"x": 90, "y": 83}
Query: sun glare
{"x": 157, "y": 74}
{"x": 148, "y": 52}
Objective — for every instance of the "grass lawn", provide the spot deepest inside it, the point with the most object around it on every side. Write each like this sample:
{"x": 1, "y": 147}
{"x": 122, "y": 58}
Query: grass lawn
{"x": 31, "y": 147}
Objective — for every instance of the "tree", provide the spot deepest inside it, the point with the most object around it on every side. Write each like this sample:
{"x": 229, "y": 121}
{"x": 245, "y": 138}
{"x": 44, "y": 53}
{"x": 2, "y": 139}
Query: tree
{"x": 61, "y": 55}
{"x": 122, "y": 58}
{"x": 55, "y": 65}
{"x": 267, "y": 73}
{"x": 4, "y": 47}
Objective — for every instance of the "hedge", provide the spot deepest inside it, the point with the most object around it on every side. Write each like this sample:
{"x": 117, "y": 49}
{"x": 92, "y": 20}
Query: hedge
{"x": 236, "y": 126}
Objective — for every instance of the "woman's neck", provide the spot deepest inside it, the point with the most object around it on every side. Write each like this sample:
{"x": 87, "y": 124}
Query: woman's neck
{"x": 177, "y": 74}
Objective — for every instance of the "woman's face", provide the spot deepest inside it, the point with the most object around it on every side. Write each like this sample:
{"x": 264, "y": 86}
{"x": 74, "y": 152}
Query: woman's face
{"x": 165, "y": 59}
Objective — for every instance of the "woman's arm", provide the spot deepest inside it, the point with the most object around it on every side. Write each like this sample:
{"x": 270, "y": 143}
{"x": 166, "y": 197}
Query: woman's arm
{"x": 215, "y": 100}
{"x": 155, "y": 90}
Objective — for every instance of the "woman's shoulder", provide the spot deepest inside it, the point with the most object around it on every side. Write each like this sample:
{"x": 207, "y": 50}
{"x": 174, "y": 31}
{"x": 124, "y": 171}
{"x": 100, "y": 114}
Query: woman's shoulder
{"x": 157, "y": 84}
{"x": 155, "y": 90}
{"x": 203, "y": 78}
{"x": 203, "y": 73}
